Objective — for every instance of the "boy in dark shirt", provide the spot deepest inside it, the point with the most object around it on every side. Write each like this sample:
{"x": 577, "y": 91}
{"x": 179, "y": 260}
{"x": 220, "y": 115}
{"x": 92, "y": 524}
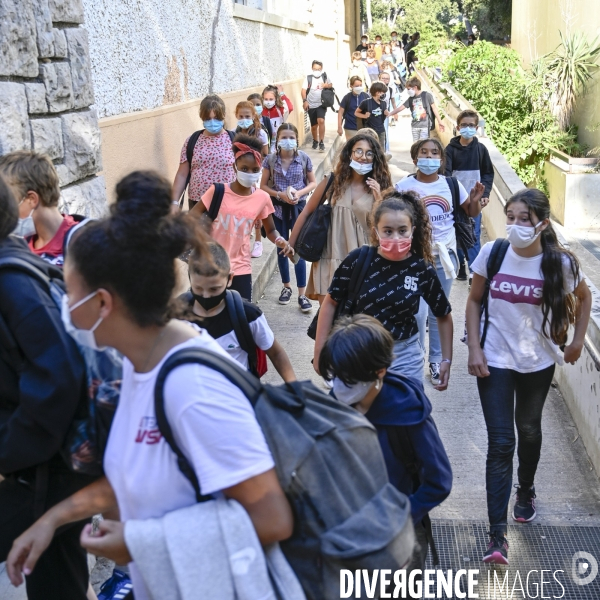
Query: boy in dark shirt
{"x": 209, "y": 283}
{"x": 374, "y": 111}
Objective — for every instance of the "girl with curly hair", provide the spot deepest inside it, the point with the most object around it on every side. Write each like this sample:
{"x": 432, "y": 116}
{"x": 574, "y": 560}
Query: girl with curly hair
{"x": 360, "y": 175}
{"x": 400, "y": 272}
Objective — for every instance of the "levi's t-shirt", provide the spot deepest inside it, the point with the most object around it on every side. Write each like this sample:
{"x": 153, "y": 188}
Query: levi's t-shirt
{"x": 391, "y": 291}
{"x": 235, "y": 221}
{"x": 514, "y": 337}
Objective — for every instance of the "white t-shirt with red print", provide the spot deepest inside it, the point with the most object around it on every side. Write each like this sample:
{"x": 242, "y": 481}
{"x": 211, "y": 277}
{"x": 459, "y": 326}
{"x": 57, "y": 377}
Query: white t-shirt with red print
{"x": 514, "y": 337}
{"x": 212, "y": 162}
{"x": 277, "y": 116}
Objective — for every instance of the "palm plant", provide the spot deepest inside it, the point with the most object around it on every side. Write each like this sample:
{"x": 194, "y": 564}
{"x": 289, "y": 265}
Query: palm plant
{"x": 570, "y": 68}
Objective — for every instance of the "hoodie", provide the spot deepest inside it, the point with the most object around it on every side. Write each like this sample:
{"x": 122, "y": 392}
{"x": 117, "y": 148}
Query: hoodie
{"x": 402, "y": 402}
{"x": 470, "y": 164}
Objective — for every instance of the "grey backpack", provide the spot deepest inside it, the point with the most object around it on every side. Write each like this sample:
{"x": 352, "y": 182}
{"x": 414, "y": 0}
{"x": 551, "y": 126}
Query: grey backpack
{"x": 330, "y": 466}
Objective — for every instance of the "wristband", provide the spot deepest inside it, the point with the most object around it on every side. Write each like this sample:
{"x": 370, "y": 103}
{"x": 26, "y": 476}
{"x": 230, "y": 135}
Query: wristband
{"x": 446, "y": 360}
{"x": 279, "y": 237}
{"x": 175, "y": 203}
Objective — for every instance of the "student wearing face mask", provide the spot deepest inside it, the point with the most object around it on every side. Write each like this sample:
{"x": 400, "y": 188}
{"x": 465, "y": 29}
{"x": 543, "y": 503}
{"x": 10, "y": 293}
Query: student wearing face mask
{"x": 357, "y": 356}
{"x": 288, "y": 177}
{"x": 43, "y": 382}
{"x": 374, "y": 111}
{"x": 311, "y": 94}
{"x": 378, "y": 47}
{"x": 364, "y": 44}
{"x": 256, "y": 100}
{"x": 352, "y": 189}
{"x": 248, "y": 123}
{"x": 277, "y": 108}
{"x": 34, "y": 180}
{"x": 436, "y": 192}
{"x": 535, "y": 294}
{"x": 469, "y": 161}
{"x": 243, "y": 203}
{"x": 358, "y": 69}
{"x": 347, "y": 121}
{"x": 398, "y": 275}
{"x": 212, "y": 158}
{"x": 422, "y": 107}
{"x": 372, "y": 66}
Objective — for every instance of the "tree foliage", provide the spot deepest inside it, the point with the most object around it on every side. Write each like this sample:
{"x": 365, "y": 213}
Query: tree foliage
{"x": 492, "y": 17}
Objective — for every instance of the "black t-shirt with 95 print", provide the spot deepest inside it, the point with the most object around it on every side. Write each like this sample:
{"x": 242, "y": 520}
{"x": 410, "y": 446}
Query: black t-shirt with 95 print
{"x": 376, "y": 117}
{"x": 391, "y": 291}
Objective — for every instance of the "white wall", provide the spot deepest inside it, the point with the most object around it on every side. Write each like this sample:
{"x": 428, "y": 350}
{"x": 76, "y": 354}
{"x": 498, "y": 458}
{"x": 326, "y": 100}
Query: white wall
{"x": 150, "y": 53}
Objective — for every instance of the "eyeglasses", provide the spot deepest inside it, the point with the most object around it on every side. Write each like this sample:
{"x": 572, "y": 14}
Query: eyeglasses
{"x": 359, "y": 153}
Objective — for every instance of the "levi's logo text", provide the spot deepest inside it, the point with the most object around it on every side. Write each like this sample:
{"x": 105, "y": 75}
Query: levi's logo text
{"x": 516, "y": 290}
{"x": 148, "y": 432}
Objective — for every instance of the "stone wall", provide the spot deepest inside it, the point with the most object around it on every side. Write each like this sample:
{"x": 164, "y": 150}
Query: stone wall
{"x": 47, "y": 97}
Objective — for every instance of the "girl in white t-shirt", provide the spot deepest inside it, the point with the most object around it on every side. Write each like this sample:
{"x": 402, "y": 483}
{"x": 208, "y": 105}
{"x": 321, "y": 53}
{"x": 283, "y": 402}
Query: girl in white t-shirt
{"x": 433, "y": 188}
{"x": 120, "y": 277}
{"x": 536, "y": 295}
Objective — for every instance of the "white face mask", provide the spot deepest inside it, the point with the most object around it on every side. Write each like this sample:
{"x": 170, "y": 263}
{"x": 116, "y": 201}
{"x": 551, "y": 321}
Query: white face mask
{"x": 411, "y": 93}
{"x": 269, "y": 103}
{"x": 248, "y": 179}
{"x": 521, "y": 236}
{"x": 84, "y": 337}
{"x": 317, "y": 73}
{"x": 351, "y": 394}
{"x": 361, "y": 168}
{"x": 357, "y": 90}
{"x": 25, "y": 227}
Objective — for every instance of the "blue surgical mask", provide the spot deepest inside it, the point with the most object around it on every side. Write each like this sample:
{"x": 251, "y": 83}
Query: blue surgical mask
{"x": 213, "y": 125}
{"x": 468, "y": 132}
{"x": 245, "y": 123}
{"x": 428, "y": 166}
{"x": 287, "y": 144}
{"x": 258, "y": 108}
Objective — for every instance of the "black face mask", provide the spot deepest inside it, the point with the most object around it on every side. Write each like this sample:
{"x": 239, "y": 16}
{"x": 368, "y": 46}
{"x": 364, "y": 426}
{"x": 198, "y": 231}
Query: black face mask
{"x": 212, "y": 301}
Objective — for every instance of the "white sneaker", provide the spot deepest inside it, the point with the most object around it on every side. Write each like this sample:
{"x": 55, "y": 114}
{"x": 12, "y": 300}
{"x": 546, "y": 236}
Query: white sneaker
{"x": 257, "y": 250}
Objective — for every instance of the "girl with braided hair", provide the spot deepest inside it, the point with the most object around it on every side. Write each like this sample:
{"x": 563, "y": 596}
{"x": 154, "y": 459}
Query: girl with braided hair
{"x": 400, "y": 272}
{"x": 356, "y": 183}
{"x": 243, "y": 203}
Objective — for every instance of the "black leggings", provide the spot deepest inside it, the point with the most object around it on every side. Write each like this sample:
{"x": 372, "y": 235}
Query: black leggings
{"x": 508, "y": 397}
{"x": 243, "y": 285}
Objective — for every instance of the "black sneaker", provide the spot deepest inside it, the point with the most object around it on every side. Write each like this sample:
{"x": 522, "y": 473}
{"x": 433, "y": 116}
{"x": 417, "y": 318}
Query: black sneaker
{"x": 524, "y": 510}
{"x": 497, "y": 550}
{"x": 315, "y": 144}
{"x": 321, "y": 146}
{"x": 462, "y": 273}
{"x": 434, "y": 371}
{"x": 304, "y": 303}
{"x": 285, "y": 296}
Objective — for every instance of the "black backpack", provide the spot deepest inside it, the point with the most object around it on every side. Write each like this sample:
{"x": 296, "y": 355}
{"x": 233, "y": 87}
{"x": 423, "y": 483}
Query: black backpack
{"x": 328, "y": 95}
{"x": 494, "y": 262}
{"x": 268, "y": 127}
{"x": 189, "y": 153}
{"x": 329, "y": 463}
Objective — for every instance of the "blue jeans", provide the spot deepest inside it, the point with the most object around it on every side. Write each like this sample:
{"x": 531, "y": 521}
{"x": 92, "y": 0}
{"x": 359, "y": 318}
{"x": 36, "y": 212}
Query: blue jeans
{"x": 386, "y": 124}
{"x": 476, "y": 249}
{"x": 508, "y": 397}
{"x": 408, "y": 358}
{"x": 435, "y": 346}
{"x": 283, "y": 262}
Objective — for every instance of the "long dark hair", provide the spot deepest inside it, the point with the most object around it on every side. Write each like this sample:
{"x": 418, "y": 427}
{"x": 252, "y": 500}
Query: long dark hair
{"x": 559, "y": 307}
{"x": 343, "y": 172}
{"x": 132, "y": 253}
{"x": 410, "y": 203}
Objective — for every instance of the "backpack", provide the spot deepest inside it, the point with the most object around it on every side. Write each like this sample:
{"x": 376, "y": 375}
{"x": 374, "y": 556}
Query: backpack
{"x": 494, "y": 262}
{"x": 81, "y": 223}
{"x": 85, "y": 442}
{"x": 268, "y": 127}
{"x": 215, "y": 204}
{"x": 331, "y": 468}
{"x": 189, "y": 153}
{"x": 328, "y": 95}
{"x": 364, "y": 260}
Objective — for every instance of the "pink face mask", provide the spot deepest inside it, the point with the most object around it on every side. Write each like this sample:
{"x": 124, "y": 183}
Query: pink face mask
{"x": 395, "y": 249}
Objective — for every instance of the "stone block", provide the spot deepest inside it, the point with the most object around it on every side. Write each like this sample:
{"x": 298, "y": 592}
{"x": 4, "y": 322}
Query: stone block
{"x": 14, "y": 132}
{"x": 43, "y": 25}
{"x": 59, "y": 88}
{"x": 81, "y": 74}
{"x": 66, "y": 11}
{"x": 81, "y": 140}
{"x": 87, "y": 198}
{"x": 46, "y": 137}
{"x": 36, "y": 98}
{"x": 18, "y": 50}
{"x": 63, "y": 174}
{"x": 60, "y": 43}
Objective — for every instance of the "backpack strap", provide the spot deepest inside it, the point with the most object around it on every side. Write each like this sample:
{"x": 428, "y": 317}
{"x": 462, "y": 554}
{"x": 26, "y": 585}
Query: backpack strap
{"x": 304, "y": 160}
{"x": 267, "y": 125}
{"x": 231, "y": 134}
{"x": 189, "y": 153}
{"x": 309, "y": 78}
{"x": 271, "y": 158}
{"x": 72, "y": 231}
{"x": 217, "y": 200}
{"x": 494, "y": 263}
{"x": 404, "y": 452}
{"x": 241, "y": 327}
{"x": 454, "y": 190}
{"x": 248, "y": 384}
